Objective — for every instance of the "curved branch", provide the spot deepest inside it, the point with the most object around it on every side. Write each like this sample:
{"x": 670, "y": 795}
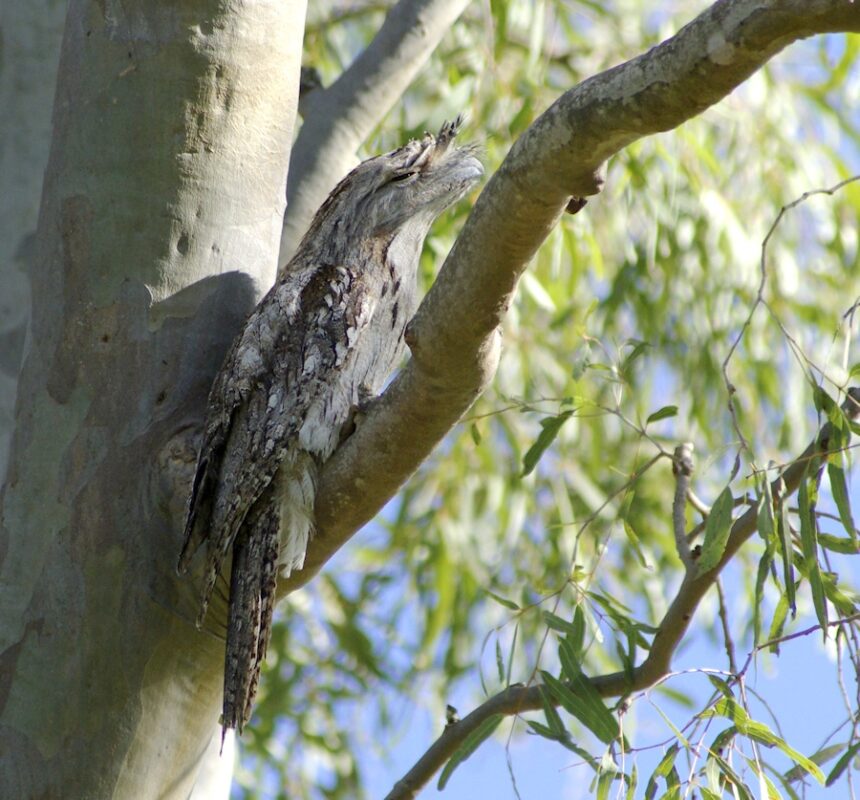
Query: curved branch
{"x": 340, "y": 118}
{"x": 518, "y": 698}
{"x": 454, "y": 336}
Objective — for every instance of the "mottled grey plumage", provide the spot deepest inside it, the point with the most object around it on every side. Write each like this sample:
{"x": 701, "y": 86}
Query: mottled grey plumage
{"x": 323, "y": 340}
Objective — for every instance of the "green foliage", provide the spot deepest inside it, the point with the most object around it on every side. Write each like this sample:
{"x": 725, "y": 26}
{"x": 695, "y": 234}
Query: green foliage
{"x": 717, "y": 529}
{"x": 550, "y": 428}
{"x": 546, "y": 517}
{"x": 472, "y": 742}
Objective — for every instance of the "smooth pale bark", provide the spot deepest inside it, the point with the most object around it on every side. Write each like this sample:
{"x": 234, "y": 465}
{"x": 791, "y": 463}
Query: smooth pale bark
{"x": 31, "y": 34}
{"x": 159, "y": 227}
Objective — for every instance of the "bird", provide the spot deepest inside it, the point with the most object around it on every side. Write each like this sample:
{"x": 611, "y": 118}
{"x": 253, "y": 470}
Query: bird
{"x": 320, "y": 344}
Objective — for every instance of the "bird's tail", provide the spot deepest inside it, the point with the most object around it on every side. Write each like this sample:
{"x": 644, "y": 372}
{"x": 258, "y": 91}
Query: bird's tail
{"x": 252, "y": 602}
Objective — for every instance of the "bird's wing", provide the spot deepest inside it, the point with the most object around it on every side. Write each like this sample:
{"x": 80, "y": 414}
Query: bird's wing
{"x": 245, "y": 367}
{"x": 279, "y": 375}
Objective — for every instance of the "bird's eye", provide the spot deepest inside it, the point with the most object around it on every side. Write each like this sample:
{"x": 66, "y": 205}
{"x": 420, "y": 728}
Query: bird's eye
{"x": 404, "y": 176}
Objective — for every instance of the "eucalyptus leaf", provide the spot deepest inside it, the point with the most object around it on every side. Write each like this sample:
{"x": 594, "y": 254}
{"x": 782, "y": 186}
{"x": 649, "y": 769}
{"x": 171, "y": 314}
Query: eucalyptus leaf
{"x": 717, "y": 529}
{"x": 840, "y": 766}
{"x": 578, "y": 702}
{"x": 809, "y": 543}
{"x": 662, "y": 413}
{"x": 549, "y": 431}
{"x": 470, "y": 744}
{"x": 839, "y": 490}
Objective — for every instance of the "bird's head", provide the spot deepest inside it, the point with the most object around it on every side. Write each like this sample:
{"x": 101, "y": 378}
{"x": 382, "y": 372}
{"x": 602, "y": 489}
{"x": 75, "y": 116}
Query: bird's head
{"x": 416, "y": 182}
{"x": 399, "y": 192}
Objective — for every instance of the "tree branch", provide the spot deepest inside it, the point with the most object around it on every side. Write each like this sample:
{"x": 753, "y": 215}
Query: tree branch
{"x": 341, "y": 117}
{"x": 454, "y": 337}
{"x": 682, "y": 467}
{"x": 518, "y": 698}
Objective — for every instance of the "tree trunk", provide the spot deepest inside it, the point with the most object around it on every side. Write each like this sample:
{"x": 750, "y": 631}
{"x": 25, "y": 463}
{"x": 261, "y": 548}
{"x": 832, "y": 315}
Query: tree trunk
{"x": 159, "y": 228}
{"x": 28, "y": 71}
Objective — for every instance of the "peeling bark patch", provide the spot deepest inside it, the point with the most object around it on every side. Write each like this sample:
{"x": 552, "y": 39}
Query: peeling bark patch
{"x": 76, "y": 221}
{"x": 9, "y": 659}
{"x": 77, "y": 218}
{"x": 719, "y": 50}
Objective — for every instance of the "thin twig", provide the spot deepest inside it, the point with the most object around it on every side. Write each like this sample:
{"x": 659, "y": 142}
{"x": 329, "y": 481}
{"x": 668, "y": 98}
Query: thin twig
{"x": 724, "y": 622}
{"x": 796, "y": 635}
{"x": 760, "y": 300}
{"x": 696, "y": 502}
{"x": 682, "y": 469}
